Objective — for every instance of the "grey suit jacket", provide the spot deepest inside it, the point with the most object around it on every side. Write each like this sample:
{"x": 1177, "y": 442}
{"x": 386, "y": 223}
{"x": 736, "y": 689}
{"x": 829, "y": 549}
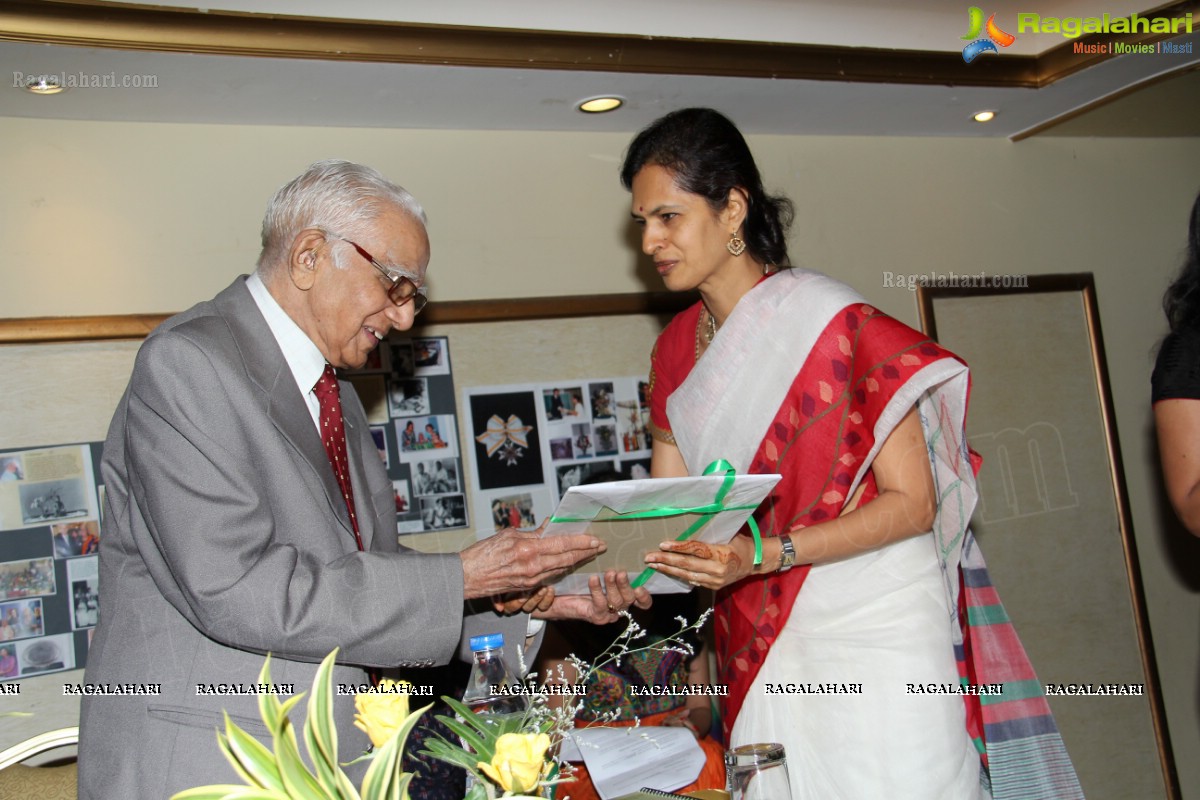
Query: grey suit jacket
{"x": 226, "y": 538}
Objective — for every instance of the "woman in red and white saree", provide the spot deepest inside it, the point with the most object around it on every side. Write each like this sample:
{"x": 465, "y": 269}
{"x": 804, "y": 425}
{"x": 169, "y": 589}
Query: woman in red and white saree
{"x": 858, "y": 639}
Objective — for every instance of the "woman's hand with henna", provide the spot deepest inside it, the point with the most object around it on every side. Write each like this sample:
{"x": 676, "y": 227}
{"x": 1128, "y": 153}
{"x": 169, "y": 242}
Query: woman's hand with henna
{"x": 701, "y": 564}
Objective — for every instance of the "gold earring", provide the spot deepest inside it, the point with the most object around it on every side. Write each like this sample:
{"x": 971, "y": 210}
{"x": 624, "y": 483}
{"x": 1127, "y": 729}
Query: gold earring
{"x": 735, "y": 245}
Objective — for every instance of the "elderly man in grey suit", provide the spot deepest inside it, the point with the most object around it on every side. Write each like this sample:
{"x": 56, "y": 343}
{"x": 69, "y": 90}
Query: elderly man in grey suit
{"x": 246, "y": 515}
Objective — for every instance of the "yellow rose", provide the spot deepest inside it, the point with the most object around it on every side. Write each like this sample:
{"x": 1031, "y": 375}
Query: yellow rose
{"x": 519, "y": 760}
{"x": 381, "y": 714}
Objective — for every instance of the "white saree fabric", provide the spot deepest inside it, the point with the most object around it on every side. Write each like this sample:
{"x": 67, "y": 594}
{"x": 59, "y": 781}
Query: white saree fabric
{"x": 835, "y": 687}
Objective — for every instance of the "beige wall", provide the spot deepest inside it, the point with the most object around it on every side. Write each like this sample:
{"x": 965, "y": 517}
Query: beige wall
{"x": 107, "y": 218}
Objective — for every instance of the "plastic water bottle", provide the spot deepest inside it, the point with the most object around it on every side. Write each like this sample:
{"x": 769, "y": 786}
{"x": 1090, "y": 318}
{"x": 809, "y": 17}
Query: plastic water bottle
{"x": 490, "y": 678}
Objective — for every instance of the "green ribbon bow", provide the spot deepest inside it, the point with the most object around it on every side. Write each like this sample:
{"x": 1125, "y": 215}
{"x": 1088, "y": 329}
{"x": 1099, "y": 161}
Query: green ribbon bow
{"x": 706, "y": 513}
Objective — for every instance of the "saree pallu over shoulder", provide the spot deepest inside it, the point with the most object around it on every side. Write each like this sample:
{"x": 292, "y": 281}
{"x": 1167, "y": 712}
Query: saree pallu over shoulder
{"x": 807, "y": 379}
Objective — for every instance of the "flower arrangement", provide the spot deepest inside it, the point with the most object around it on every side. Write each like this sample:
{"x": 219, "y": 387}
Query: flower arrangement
{"x": 281, "y": 774}
{"x": 508, "y": 755}
{"x": 515, "y": 753}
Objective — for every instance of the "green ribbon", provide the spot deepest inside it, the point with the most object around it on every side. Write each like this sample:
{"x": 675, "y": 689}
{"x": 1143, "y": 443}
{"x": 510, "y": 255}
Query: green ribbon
{"x": 706, "y": 512}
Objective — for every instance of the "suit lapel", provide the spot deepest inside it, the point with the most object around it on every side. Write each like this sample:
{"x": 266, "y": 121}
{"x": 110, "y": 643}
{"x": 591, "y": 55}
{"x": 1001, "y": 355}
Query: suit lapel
{"x": 284, "y": 404}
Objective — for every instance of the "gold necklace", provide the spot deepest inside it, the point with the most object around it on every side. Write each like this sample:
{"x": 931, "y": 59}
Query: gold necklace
{"x": 706, "y": 329}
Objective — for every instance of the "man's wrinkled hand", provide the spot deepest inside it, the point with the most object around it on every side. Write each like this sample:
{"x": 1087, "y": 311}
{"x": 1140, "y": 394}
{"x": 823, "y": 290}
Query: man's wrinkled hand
{"x": 519, "y": 562}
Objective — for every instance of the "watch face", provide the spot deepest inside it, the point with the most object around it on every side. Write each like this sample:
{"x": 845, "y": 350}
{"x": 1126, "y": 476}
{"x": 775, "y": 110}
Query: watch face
{"x": 787, "y": 558}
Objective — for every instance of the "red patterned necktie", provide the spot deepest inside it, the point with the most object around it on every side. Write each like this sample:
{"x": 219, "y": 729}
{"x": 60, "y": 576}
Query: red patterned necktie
{"x": 333, "y": 436}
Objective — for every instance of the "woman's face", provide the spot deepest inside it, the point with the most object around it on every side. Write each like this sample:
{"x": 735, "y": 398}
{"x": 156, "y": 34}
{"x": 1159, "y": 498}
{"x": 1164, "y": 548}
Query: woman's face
{"x": 680, "y": 231}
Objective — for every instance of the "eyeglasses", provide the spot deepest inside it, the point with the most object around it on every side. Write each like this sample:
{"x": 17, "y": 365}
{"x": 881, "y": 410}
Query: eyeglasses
{"x": 402, "y": 288}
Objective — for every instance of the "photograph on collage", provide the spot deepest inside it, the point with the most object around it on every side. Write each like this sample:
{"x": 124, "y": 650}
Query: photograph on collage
{"x": 83, "y": 575}
{"x": 11, "y": 469}
{"x": 507, "y": 447}
{"x": 431, "y": 356}
{"x": 403, "y": 500}
{"x": 602, "y": 400}
{"x": 75, "y": 538}
{"x": 47, "y": 654}
{"x": 21, "y": 619}
{"x": 427, "y": 436}
{"x": 513, "y": 511}
{"x": 53, "y": 500}
{"x": 379, "y": 436}
{"x": 562, "y": 449}
{"x": 29, "y": 578}
{"x": 606, "y": 440}
{"x": 445, "y": 511}
{"x": 563, "y": 402}
{"x": 408, "y": 397}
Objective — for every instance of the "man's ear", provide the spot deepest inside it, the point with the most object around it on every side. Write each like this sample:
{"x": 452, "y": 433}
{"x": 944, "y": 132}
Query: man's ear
{"x": 302, "y": 262}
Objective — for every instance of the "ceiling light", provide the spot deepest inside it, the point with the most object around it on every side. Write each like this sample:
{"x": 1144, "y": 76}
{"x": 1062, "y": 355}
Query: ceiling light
{"x": 598, "y": 105}
{"x": 984, "y": 116}
{"x": 44, "y": 84}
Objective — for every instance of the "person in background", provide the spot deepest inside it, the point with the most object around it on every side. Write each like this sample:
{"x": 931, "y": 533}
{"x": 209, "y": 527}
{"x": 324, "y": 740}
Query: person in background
{"x": 245, "y": 517}
{"x": 8, "y": 663}
{"x": 1175, "y": 385}
{"x": 866, "y": 553}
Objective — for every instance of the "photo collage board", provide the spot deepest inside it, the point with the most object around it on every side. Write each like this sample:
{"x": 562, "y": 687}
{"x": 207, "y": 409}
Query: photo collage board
{"x": 529, "y": 443}
{"x": 407, "y": 390}
{"x": 50, "y": 527}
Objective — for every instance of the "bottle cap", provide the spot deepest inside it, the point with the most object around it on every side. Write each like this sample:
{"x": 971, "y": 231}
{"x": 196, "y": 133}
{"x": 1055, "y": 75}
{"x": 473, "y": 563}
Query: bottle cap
{"x": 492, "y": 641}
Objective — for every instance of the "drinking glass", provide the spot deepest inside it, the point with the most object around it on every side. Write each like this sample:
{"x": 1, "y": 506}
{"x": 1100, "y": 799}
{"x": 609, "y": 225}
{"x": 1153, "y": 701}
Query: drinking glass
{"x": 757, "y": 772}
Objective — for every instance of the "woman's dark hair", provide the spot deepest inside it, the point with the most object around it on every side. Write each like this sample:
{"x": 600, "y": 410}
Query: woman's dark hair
{"x": 1182, "y": 300}
{"x": 709, "y": 157}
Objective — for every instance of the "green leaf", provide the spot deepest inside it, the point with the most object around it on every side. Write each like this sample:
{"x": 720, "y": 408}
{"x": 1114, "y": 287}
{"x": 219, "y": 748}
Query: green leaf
{"x": 329, "y": 776}
{"x": 451, "y": 754}
{"x": 258, "y": 763}
{"x": 228, "y": 792}
{"x": 298, "y": 782}
{"x": 320, "y": 733}
{"x": 268, "y": 703}
{"x": 485, "y": 748}
{"x": 227, "y": 750}
{"x": 285, "y": 710}
{"x": 250, "y": 793}
{"x": 401, "y": 792}
{"x": 320, "y": 712}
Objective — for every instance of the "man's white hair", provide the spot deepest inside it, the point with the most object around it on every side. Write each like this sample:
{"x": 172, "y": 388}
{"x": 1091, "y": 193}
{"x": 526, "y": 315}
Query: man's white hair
{"x": 340, "y": 197}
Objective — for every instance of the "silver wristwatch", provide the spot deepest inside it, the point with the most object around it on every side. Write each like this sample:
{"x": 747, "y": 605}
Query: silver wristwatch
{"x": 787, "y": 558}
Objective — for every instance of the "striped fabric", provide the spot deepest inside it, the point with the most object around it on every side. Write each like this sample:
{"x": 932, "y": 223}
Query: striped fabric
{"x": 1015, "y": 731}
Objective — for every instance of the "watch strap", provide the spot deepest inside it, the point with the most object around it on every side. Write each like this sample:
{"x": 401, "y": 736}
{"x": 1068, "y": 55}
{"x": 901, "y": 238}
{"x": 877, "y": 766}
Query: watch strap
{"x": 787, "y": 556}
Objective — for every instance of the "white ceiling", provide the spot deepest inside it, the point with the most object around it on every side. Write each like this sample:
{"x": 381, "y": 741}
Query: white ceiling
{"x": 283, "y": 91}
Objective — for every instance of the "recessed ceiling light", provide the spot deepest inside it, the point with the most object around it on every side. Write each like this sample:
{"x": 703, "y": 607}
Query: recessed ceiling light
{"x": 44, "y": 84}
{"x": 598, "y": 105}
{"x": 984, "y": 116}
